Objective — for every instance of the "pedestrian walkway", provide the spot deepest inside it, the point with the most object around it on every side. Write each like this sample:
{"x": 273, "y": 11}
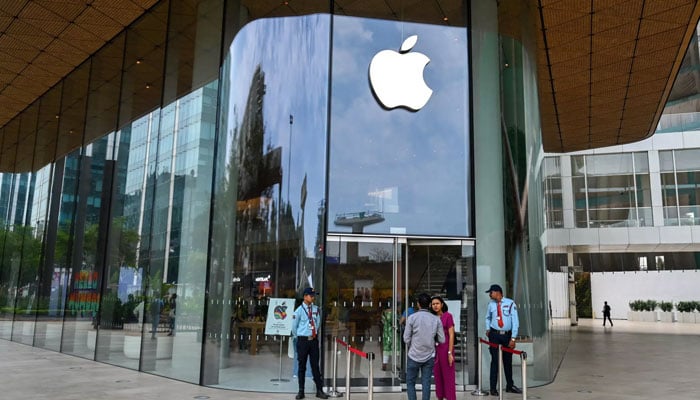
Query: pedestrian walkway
{"x": 632, "y": 360}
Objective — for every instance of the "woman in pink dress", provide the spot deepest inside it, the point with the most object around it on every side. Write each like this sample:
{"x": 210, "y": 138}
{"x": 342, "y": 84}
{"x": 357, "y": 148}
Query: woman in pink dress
{"x": 444, "y": 371}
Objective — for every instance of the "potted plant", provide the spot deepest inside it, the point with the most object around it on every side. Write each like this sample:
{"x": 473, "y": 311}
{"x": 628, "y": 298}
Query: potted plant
{"x": 666, "y": 313}
{"x": 636, "y": 307}
{"x": 686, "y": 312}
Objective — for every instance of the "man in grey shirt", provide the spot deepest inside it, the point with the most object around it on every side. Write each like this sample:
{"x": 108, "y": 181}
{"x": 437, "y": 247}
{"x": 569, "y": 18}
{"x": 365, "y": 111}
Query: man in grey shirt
{"x": 422, "y": 331}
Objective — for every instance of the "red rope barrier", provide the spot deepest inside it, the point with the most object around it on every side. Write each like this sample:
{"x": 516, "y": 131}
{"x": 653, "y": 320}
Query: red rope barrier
{"x": 341, "y": 342}
{"x": 513, "y": 351}
{"x": 488, "y": 343}
{"x": 505, "y": 348}
{"x": 358, "y": 352}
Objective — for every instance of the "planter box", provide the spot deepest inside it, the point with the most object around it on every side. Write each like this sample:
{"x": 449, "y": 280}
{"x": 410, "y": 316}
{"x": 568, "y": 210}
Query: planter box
{"x": 644, "y": 316}
{"x": 132, "y": 346}
{"x": 164, "y": 347}
{"x": 687, "y": 318}
{"x": 666, "y": 316}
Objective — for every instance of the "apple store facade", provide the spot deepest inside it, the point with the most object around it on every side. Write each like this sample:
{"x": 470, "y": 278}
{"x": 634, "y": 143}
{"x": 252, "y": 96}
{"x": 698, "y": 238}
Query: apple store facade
{"x": 166, "y": 203}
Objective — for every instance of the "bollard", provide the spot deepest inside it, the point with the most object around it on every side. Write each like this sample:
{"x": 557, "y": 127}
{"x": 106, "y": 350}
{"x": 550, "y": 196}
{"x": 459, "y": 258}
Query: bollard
{"x": 348, "y": 366}
{"x": 334, "y": 388}
{"x": 500, "y": 372}
{"x": 523, "y": 361}
{"x": 480, "y": 373}
{"x": 370, "y": 381}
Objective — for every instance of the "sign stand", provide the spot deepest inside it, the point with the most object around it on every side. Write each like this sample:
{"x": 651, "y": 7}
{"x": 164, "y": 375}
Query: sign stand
{"x": 280, "y": 379}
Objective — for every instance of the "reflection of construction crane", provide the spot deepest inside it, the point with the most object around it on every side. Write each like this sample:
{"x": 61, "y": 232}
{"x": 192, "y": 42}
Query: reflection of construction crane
{"x": 358, "y": 220}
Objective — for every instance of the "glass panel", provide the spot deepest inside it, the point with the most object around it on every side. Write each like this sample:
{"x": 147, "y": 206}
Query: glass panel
{"x": 30, "y": 227}
{"x": 449, "y": 271}
{"x": 119, "y": 334}
{"x": 688, "y": 188}
{"x": 88, "y": 247}
{"x": 552, "y": 167}
{"x": 271, "y": 166}
{"x": 52, "y": 278}
{"x": 410, "y": 171}
{"x": 179, "y": 238}
{"x": 671, "y": 216}
{"x": 666, "y": 161}
{"x": 360, "y": 279}
{"x": 105, "y": 86}
{"x": 578, "y": 168}
{"x": 609, "y": 164}
{"x": 142, "y": 79}
{"x": 13, "y": 186}
{"x": 668, "y": 189}
{"x": 578, "y": 184}
{"x": 643, "y": 190}
{"x": 641, "y": 162}
{"x": 687, "y": 160}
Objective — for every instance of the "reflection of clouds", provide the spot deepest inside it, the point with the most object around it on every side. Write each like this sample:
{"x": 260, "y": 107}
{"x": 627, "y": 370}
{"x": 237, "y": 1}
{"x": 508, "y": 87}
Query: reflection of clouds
{"x": 293, "y": 53}
{"x": 424, "y": 154}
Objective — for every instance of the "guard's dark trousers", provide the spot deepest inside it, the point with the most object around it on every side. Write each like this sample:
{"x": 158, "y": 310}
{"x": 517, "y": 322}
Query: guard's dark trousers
{"x": 308, "y": 348}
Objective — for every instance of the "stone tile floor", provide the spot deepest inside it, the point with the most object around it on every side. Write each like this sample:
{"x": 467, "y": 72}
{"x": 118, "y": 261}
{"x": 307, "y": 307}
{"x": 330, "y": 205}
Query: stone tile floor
{"x": 632, "y": 360}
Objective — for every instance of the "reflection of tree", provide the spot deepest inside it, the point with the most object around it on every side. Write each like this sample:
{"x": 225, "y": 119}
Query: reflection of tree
{"x": 380, "y": 254}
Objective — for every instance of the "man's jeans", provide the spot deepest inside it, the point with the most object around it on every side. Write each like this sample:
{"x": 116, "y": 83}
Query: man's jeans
{"x": 426, "y": 372}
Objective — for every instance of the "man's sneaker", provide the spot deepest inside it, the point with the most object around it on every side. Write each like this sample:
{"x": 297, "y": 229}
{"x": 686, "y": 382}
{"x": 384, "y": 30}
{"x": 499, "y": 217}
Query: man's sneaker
{"x": 513, "y": 389}
{"x": 494, "y": 392}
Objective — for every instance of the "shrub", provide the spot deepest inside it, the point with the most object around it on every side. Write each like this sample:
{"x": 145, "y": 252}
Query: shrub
{"x": 686, "y": 306}
{"x": 637, "y": 305}
{"x": 666, "y": 306}
{"x": 650, "y": 305}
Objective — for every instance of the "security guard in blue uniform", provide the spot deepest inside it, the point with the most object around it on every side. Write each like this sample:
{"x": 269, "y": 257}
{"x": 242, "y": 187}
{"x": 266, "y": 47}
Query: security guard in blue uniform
{"x": 501, "y": 328}
{"x": 305, "y": 325}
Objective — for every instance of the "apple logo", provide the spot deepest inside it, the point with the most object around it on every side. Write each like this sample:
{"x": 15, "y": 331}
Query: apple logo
{"x": 396, "y": 78}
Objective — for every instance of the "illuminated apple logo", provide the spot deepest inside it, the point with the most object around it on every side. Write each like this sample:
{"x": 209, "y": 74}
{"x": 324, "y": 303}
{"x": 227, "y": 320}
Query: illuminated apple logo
{"x": 396, "y": 78}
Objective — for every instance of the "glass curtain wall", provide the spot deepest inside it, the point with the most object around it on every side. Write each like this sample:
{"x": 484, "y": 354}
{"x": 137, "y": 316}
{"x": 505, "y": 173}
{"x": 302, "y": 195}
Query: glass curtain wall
{"x": 611, "y": 190}
{"x": 105, "y": 198}
{"x": 553, "y": 203}
{"x": 680, "y": 185}
{"x": 269, "y": 190}
{"x": 524, "y": 170}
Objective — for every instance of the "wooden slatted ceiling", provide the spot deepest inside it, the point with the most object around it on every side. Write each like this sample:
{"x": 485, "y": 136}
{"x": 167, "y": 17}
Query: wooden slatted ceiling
{"x": 606, "y": 67}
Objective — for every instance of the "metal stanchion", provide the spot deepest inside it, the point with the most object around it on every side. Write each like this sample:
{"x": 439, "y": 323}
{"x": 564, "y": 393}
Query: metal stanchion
{"x": 334, "y": 389}
{"x": 348, "y": 366}
{"x": 480, "y": 373}
{"x": 523, "y": 362}
{"x": 500, "y": 372}
{"x": 370, "y": 382}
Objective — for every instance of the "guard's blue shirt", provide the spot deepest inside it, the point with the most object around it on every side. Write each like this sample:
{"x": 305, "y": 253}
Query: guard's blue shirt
{"x": 510, "y": 317}
{"x": 301, "y": 325}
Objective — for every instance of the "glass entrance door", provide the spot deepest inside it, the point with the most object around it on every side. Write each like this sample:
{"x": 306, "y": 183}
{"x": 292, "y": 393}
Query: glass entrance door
{"x": 445, "y": 268}
{"x": 370, "y": 288}
{"x": 362, "y": 274}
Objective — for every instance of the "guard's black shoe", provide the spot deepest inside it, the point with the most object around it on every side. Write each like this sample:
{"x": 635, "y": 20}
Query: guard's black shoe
{"x": 494, "y": 392}
{"x": 513, "y": 389}
{"x": 321, "y": 395}
{"x": 300, "y": 396}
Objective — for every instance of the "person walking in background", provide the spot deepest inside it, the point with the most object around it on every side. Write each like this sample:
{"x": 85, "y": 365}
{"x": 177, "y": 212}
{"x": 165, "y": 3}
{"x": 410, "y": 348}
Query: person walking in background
{"x": 305, "y": 325}
{"x": 501, "y": 328}
{"x": 606, "y": 313}
{"x": 423, "y": 330}
{"x": 172, "y": 313}
{"x": 444, "y": 353}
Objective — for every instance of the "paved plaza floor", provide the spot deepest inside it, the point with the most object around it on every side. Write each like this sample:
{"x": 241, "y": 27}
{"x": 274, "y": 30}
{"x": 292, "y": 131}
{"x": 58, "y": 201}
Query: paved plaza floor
{"x": 632, "y": 360}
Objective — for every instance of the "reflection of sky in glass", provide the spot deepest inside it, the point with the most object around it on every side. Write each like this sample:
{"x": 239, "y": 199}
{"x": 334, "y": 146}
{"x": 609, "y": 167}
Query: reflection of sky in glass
{"x": 293, "y": 53}
{"x": 412, "y": 166}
